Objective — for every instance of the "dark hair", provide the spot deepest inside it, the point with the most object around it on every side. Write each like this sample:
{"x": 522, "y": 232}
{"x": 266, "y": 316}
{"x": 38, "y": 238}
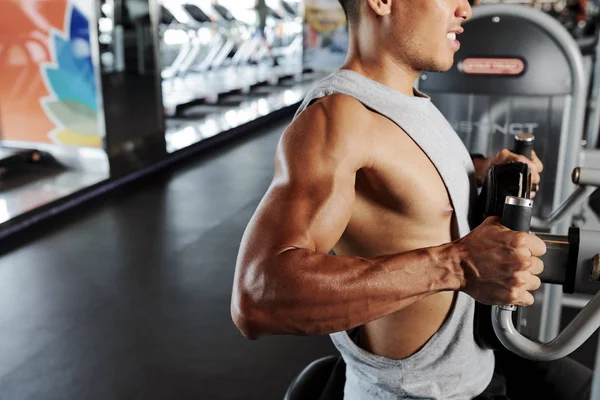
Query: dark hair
{"x": 352, "y": 10}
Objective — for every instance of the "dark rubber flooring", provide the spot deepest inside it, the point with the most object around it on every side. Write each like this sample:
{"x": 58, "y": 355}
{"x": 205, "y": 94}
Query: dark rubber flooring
{"x": 128, "y": 297}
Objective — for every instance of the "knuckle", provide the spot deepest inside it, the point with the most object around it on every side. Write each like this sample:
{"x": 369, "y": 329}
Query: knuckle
{"x": 520, "y": 239}
{"x": 493, "y": 220}
{"x": 525, "y": 264}
{"x": 513, "y": 296}
{"x": 517, "y": 281}
{"x": 511, "y": 282}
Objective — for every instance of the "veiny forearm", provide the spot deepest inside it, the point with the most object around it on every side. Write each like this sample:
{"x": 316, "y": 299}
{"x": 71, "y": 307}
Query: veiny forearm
{"x": 307, "y": 293}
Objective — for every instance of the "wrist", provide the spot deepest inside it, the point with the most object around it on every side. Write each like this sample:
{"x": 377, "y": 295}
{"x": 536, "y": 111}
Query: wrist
{"x": 446, "y": 260}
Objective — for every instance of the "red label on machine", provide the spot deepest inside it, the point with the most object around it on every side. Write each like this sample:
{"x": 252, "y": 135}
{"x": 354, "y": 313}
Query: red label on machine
{"x": 492, "y": 66}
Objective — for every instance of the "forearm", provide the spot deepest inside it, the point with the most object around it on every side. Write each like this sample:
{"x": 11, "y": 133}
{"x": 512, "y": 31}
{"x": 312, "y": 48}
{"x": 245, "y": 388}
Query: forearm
{"x": 307, "y": 293}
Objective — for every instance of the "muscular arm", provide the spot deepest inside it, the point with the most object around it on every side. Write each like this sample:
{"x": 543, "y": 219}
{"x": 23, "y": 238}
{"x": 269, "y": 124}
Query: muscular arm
{"x": 285, "y": 281}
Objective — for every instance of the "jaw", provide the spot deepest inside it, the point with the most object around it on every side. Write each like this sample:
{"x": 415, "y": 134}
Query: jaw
{"x": 441, "y": 61}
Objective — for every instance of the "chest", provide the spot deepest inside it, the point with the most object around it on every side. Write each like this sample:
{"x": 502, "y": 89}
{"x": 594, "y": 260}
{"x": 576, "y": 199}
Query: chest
{"x": 428, "y": 177}
{"x": 408, "y": 187}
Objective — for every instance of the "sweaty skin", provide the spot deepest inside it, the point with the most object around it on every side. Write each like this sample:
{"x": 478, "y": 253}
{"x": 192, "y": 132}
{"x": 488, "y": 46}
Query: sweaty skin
{"x": 351, "y": 180}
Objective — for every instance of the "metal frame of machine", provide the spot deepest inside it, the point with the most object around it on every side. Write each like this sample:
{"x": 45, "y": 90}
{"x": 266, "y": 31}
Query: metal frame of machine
{"x": 577, "y": 148}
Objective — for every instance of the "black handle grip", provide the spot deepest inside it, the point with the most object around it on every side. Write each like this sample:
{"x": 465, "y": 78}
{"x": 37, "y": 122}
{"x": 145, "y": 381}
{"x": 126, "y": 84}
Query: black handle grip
{"x": 517, "y": 214}
{"x": 524, "y": 144}
{"x": 517, "y": 217}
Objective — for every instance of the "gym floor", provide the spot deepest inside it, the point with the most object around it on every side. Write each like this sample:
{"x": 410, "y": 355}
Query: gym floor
{"x": 128, "y": 297}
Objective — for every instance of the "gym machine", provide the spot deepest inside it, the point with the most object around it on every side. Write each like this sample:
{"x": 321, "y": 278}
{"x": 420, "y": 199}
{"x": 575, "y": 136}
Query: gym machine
{"x": 203, "y": 43}
{"x": 221, "y": 71}
{"x": 560, "y": 105}
{"x": 209, "y": 52}
{"x": 572, "y": 260}
{"x": 504, "y": 85}
{"x": 579, "y": 17}
{"x": 281, "y": 48}
{"x": 231, "y": 33}
{"x": 287, "y": 41}
{"x": 190, "y": 33}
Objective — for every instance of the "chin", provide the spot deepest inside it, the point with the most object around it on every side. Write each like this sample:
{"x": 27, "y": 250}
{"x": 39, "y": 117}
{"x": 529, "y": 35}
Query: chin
{"x": 440, "y": 66}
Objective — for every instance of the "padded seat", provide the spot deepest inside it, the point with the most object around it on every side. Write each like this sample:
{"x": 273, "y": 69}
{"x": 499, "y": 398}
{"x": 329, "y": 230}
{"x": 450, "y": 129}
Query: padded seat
{"x": 310, "y": 383}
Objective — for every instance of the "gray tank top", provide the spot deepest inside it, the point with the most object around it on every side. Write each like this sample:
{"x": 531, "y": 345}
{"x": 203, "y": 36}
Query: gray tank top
{"x": 450, "y": 365}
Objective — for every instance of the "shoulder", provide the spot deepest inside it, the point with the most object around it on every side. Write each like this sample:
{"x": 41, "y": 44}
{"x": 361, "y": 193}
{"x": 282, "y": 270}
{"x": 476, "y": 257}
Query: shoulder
{"x": 337, "y": 123}
{"x": 338, "y": 111}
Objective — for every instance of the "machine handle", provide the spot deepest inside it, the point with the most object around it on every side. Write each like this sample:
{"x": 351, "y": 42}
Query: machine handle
{"x": 570, "y": 339}
{"x": 588, "y": 180}
{"x": 523, "y": 144}
{"x": 517, "y": 216}
{"x": 586, "y": 176}
{"x": 517, "y": 213}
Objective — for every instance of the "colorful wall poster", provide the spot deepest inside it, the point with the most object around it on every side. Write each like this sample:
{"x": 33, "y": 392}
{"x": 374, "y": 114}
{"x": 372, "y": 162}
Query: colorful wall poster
{"x": 325, "y": 35}
{"x": 48, "y": 90}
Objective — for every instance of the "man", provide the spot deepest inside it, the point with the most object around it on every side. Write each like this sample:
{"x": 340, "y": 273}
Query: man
{"x": 262, "y": 11}
{"x": 371, "y": 169}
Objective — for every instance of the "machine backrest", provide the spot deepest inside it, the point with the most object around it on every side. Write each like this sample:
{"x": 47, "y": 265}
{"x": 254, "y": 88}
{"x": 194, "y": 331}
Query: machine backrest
{"x": 518, "y": 70}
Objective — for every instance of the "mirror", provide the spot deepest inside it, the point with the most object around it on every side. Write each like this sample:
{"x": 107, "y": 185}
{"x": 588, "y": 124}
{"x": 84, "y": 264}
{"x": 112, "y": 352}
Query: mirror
{"x": 226, "y": 63}
{"x": 51, "y": 126}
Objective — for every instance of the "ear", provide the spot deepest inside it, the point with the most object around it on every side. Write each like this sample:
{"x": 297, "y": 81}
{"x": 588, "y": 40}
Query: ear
{"x": 381, "y": 7}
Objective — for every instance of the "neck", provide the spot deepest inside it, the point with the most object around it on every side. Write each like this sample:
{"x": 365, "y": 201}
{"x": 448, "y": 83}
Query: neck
{"x": 368, "y": 57}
